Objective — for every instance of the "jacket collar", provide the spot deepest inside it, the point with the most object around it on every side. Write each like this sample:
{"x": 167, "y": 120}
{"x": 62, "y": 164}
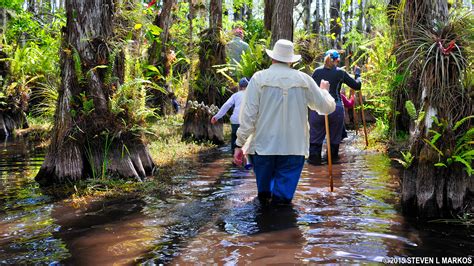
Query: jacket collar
{"x": 279, "y": 66}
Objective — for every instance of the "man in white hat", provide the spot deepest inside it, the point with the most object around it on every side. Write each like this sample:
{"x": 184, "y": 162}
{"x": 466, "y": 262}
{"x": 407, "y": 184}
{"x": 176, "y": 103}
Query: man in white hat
{"x": 274, "y": 123}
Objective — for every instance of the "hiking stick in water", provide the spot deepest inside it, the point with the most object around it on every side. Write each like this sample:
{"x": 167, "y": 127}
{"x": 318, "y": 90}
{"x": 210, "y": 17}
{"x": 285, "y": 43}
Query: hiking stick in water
{"x": 363, "y": 119}
{"x": 354, "y": 114}
{"x": 328, "y": 141}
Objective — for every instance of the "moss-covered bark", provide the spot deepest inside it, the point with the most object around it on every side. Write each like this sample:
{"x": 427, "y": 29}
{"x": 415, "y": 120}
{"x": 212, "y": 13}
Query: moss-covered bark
{"x": 436, "y": 184}
{"x": 88, "y": 140}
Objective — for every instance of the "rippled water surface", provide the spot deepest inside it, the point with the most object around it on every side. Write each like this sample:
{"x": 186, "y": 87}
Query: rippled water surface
{"x": 211, "y": 216}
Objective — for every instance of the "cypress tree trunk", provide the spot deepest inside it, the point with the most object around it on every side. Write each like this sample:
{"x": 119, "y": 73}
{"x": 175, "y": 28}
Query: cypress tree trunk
{"x": 307, "y": 14}
{"x": 335, "y": 29}
{"x": 268, "y": 14}
{"x": 324, "y": 20}
{"x": 317, "y": 19}
{"x": 31, "y": 6}
{"x": 158, "y": 53}
{"x": 249, "y": 11}
{"x": 429, "y": 191}
{"x": 238, "y": 10}
{"x": 88, "y": 140}
{"x": 3, "y": 13}
{"x": 206, "y": 93}
{"x": 282, "y": 20}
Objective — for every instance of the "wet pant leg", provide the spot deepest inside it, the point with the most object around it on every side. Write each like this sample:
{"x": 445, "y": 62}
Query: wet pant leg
{"x": 264, "y": 169}
{"x": 287, "y": 174}
{"x": 233, "y": 136}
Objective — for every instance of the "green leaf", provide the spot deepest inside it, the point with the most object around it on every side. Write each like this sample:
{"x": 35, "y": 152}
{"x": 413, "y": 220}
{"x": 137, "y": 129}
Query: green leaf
{"x": 411, "y": 110}
{"x": 138, "y": 26}
{"x": 468, "y": 154}
{"x": 435, "y": 137}
{"x": 155, "y": 30}
{"x": 467, "y": 164}
{"x": 460, "y": 122}
{"x": 153, "y": 68}
{"x": 433, "y": 146}
{"x": 440, "y": 165}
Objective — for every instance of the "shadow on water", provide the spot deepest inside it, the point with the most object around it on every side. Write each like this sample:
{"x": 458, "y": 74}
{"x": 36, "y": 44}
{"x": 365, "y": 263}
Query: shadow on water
{"x": 212, "y": 216}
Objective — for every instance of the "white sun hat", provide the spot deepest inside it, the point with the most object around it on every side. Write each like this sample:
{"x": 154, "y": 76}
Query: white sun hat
{"x": 283, "y": 51}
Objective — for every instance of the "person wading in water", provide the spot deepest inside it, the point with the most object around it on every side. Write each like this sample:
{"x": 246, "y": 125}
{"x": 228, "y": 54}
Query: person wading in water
{"x": 274, "y": 123}
{"x": 233, "y": 101}
{"x": 336, "y": 76}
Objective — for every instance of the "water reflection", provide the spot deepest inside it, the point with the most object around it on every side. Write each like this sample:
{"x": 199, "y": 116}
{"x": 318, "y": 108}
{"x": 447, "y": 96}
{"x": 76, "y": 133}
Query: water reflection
{"x": 26, "y": 227}
{"x": 104, "y": 232}
{"x": 211, "y": 216}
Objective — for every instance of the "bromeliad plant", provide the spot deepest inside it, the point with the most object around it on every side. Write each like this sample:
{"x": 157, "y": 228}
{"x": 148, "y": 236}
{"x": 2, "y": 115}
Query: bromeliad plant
{"x": 441, "y": 56}
{"x": 308, "y": 46}
{"x": 441, "y": 53}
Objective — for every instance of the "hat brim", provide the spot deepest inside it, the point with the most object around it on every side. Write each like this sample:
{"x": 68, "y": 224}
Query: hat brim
{"x": 285, "y": 59}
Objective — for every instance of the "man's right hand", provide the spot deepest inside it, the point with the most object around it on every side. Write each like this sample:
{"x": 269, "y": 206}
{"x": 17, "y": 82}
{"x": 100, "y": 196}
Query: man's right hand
{"x": 324, "y": 85}
{"x": 213, "y": 120}
{"x": 238, "y": 156}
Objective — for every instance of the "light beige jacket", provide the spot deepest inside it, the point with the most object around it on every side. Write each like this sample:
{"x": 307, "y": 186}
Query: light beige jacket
{"x": 274, "y": 112}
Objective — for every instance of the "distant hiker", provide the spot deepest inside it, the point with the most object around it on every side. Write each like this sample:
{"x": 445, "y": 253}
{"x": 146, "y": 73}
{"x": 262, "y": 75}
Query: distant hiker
{"x": 348, "y": 104}
{"x": 274, "y": 123}
{"x": 233, "y": 101}
{"x": 336, "y": 76}
{"x": 236, "y": 47}
{"x": 174, "y": 102}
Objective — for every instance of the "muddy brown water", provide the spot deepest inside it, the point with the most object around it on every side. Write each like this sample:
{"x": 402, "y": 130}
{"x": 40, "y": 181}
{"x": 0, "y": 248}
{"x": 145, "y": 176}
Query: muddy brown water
{"x": 211, "y": 216}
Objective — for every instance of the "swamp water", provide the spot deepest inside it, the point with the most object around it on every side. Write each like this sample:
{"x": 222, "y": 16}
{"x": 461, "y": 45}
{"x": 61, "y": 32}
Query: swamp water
{"x": 211, "y": 216}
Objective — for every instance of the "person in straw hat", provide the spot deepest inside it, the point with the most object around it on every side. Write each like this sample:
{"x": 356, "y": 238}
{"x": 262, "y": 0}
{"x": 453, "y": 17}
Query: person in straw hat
{"x": 274, "y": 123}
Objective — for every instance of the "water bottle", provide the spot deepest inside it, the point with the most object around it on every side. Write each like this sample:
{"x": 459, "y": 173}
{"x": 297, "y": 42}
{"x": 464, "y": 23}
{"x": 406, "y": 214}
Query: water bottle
{"x": 248, "y": 163}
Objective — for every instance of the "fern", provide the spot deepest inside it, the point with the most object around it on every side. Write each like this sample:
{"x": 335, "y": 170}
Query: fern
{"x": 411, "y": 110}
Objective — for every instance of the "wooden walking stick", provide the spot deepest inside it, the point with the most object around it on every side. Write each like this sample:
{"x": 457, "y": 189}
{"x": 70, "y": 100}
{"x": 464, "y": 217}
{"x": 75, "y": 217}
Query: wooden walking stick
{"x": 328, "y": 141}
{"x": 363, "y": 119}
{"x": 354, "y": 114}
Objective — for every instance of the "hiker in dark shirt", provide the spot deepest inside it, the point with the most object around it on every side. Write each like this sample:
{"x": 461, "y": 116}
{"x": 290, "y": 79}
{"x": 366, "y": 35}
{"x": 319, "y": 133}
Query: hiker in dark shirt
{"x": 336, "y": 77}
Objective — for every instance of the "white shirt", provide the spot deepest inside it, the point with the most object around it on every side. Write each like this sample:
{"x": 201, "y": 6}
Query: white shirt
{"x": 274, "y": 113}
{"x": 235, "y": 101}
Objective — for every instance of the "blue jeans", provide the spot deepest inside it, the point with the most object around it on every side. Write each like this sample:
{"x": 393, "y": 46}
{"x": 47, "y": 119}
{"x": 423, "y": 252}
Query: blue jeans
{"x": 277, "y": 175}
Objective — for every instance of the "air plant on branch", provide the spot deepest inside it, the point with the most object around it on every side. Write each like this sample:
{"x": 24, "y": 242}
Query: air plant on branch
{"x": 440, "y": 56}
